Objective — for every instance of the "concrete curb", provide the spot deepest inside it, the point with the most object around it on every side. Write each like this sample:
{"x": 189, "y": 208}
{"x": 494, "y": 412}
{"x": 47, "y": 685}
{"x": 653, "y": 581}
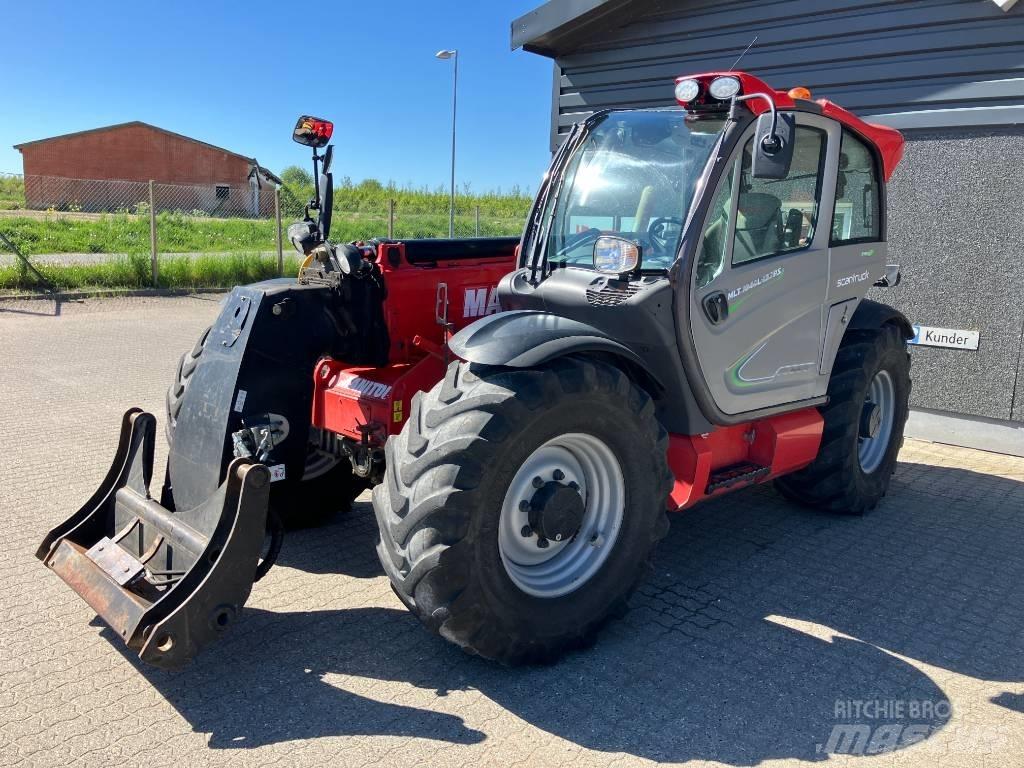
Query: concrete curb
{"x": 109, "y": 293}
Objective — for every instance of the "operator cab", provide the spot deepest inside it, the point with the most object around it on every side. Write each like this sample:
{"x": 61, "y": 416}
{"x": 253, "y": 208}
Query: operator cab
{"x": 747, "y": 222}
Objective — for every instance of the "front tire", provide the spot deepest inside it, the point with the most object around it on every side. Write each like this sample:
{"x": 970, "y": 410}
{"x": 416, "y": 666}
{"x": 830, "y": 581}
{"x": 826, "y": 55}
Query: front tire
{"x": 869, "y": 395}
{"x": 485, "y": 469}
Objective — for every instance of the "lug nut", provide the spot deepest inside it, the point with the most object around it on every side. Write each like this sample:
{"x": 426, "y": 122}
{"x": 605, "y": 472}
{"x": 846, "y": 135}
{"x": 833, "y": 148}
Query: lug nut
{"x": 524, "y": 506}
{"x": 538, "y": 483}
{"x": 574, "y": 485}
{"x": 558, "y": 537}
{"x": 542, "y": 543}
{"x": 559, "y": 475}
{"x": 527, "y": 532}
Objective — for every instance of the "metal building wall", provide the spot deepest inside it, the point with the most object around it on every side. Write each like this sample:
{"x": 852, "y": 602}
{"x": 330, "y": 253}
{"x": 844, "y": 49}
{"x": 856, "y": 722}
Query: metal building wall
{"x": 949, "y": 73}
{"x": 922, "y": 63}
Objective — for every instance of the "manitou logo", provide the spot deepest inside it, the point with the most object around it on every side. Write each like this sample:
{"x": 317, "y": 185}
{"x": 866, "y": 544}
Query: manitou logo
{"x": 480, "y": 301}
{"x": 371, "y": 389}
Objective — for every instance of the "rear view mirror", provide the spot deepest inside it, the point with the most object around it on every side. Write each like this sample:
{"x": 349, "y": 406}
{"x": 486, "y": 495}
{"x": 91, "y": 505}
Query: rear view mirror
{"x": 312, "y": 131}
{"x": 773, "y": 150}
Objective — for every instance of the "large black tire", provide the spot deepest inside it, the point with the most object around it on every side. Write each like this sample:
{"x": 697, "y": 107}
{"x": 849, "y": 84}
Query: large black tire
{"x": 448, "y": 472}
{"x": 302, "y": 503}
{"x": 836, "y": 481}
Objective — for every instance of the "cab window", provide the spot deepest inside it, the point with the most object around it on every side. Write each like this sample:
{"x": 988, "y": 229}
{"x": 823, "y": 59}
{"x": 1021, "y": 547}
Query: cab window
{"x": 779, "y": 215}
{"x": 856, "y": 218}
{"x": 714, "y": 245}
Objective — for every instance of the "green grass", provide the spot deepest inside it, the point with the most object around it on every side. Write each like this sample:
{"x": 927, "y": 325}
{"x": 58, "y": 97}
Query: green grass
{"x": 206, "y": 271}
{"x": 231, "y": 248}
{"x": 124, "y": 234}
{"x": 12, "y": 193}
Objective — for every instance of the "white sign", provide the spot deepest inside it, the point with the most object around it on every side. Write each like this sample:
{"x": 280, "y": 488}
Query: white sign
{"x": 276, "y": 473}
{"x": 927, "y": 336}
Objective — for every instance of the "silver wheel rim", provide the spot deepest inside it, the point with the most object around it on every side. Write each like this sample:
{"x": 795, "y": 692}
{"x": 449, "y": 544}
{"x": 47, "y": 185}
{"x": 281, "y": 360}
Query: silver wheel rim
{"x": 871, "y": 450}
{"x": 563, "y": 566}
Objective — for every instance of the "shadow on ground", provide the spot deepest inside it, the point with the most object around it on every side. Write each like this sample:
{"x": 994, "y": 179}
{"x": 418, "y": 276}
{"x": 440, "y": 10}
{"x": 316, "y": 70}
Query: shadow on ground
{"x": 703, "y": 667}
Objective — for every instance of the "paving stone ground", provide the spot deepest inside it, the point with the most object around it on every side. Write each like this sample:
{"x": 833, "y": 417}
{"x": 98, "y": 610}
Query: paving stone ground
{"x": 761, "y": 630}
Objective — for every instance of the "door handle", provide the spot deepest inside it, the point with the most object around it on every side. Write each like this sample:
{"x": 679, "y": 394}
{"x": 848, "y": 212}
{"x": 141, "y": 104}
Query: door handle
{"x": 716, "y": 307}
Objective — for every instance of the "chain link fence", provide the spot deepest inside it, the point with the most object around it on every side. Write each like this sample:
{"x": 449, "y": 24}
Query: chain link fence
{"x": 114, "y": 233}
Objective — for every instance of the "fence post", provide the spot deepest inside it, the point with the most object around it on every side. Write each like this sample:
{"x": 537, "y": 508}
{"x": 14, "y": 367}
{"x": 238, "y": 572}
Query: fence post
{"x": 152, "y": 234}
{"x": 477, "y": 214}
{"x": 277, "y": 219}
{"x": 391, "y": 219}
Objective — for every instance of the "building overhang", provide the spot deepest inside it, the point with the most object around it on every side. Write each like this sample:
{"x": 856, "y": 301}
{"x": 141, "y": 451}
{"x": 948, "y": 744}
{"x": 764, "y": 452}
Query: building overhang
{"x": 557, "y": 25}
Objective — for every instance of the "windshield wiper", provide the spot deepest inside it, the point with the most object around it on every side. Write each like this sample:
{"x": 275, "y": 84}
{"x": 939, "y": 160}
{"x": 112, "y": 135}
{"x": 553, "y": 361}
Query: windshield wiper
{"x": 557, "y": 176}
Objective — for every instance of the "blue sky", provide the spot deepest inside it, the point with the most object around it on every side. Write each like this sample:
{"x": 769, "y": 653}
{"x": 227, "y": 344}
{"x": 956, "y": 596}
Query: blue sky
{"x": 238, "y": 75}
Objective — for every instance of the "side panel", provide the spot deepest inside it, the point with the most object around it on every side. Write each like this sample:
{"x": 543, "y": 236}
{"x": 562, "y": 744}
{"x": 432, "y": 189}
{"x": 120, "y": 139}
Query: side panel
{"x": 416, "y": 300}
{"x": 782, "y": 444}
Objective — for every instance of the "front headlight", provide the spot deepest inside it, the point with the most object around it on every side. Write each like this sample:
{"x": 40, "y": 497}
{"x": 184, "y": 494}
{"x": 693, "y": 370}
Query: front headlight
{"x": 616, "y": 255}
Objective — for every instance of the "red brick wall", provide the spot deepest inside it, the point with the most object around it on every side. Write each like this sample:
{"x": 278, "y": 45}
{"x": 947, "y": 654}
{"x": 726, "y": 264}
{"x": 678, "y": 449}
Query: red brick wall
{"x": 134, "y": 152}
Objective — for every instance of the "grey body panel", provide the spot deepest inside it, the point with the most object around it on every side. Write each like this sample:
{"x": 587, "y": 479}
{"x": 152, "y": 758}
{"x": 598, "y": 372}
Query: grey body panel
{"x": 767, "y": 351}
{"x": 525, "y": 338}
{"x": 638, "y": 333}
{"x": 839, "y": 316}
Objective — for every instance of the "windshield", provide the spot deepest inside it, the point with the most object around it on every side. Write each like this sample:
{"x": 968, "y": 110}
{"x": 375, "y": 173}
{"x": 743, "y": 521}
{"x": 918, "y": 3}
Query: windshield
{"x": 633, "y": 176}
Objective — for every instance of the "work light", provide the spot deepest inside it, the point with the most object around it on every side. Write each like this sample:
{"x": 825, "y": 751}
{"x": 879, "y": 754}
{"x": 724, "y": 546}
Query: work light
{"x": 723, "y": 88}
{"x": 687, "y": 90}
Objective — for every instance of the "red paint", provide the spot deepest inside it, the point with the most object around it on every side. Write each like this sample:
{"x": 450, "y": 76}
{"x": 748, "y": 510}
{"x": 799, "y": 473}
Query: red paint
{"x": 347, "y": 397}
{"x": 889, "y": 141}
{"x": 784, "y": 443}
{"x": 411, "y": 307}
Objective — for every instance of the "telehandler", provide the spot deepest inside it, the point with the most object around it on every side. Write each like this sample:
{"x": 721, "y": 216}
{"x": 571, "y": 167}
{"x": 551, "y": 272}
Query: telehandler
{"x": 683, "y": 316}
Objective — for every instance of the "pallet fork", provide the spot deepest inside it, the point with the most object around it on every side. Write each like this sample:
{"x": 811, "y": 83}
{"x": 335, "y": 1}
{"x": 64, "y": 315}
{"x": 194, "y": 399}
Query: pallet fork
{"x": 167, "y": 581}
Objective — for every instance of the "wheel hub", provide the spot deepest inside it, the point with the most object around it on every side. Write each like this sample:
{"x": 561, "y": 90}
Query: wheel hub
{"x": 877, "y": 421}
{"x": 870, "y": 420}
{"x": 556, "y": 511}
{"x": 570, "y": 487}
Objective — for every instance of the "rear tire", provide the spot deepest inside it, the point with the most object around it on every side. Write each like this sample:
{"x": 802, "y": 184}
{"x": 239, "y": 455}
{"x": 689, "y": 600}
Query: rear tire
{"x": 450, "y": 541}
{"x": 852, "y": 471}
{"x": 305, "y": 503}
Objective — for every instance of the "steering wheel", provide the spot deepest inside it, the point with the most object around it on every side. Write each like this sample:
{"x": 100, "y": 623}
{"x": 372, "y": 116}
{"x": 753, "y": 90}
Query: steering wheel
{"x": 657, "y": 231}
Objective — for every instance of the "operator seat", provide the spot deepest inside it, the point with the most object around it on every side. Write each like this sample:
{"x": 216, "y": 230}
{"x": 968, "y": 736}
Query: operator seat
{"x": 759, "y": 226}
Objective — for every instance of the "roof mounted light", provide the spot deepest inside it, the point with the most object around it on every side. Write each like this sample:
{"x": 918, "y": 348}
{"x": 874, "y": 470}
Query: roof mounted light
{"x": 687, "y": 91}
{"x": 723, "y": 88}
{"x": 800, "y": 93}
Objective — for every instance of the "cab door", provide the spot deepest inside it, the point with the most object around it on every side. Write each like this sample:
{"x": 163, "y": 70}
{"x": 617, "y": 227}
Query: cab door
{"x": 760, "y": 275}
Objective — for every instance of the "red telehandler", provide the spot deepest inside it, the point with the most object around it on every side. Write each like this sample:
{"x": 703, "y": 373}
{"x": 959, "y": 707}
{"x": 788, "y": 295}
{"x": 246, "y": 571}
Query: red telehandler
{"x": 684, "y": 316}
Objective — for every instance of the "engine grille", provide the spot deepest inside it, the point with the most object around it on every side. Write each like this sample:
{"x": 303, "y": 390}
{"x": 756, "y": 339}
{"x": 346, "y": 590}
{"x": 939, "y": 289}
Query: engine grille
{"x": 609, "y": 295}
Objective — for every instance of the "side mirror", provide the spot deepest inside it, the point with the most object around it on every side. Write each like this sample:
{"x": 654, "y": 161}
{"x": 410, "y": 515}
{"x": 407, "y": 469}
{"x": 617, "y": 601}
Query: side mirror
{"x": 773, "y": 150}
{"x": 313, "y": 131}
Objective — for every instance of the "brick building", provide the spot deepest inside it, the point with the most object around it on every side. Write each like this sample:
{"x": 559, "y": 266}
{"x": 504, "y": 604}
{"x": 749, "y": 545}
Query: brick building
{"x": 109, "y": 168}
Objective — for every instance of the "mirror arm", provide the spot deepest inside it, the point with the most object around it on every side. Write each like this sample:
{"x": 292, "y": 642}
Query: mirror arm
{"x": 771, "y": 150}
{"x": 316, "y": 179}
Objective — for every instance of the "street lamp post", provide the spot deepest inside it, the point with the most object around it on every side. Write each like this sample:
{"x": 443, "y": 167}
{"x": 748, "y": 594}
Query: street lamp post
{"x": 454, "y": 55}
